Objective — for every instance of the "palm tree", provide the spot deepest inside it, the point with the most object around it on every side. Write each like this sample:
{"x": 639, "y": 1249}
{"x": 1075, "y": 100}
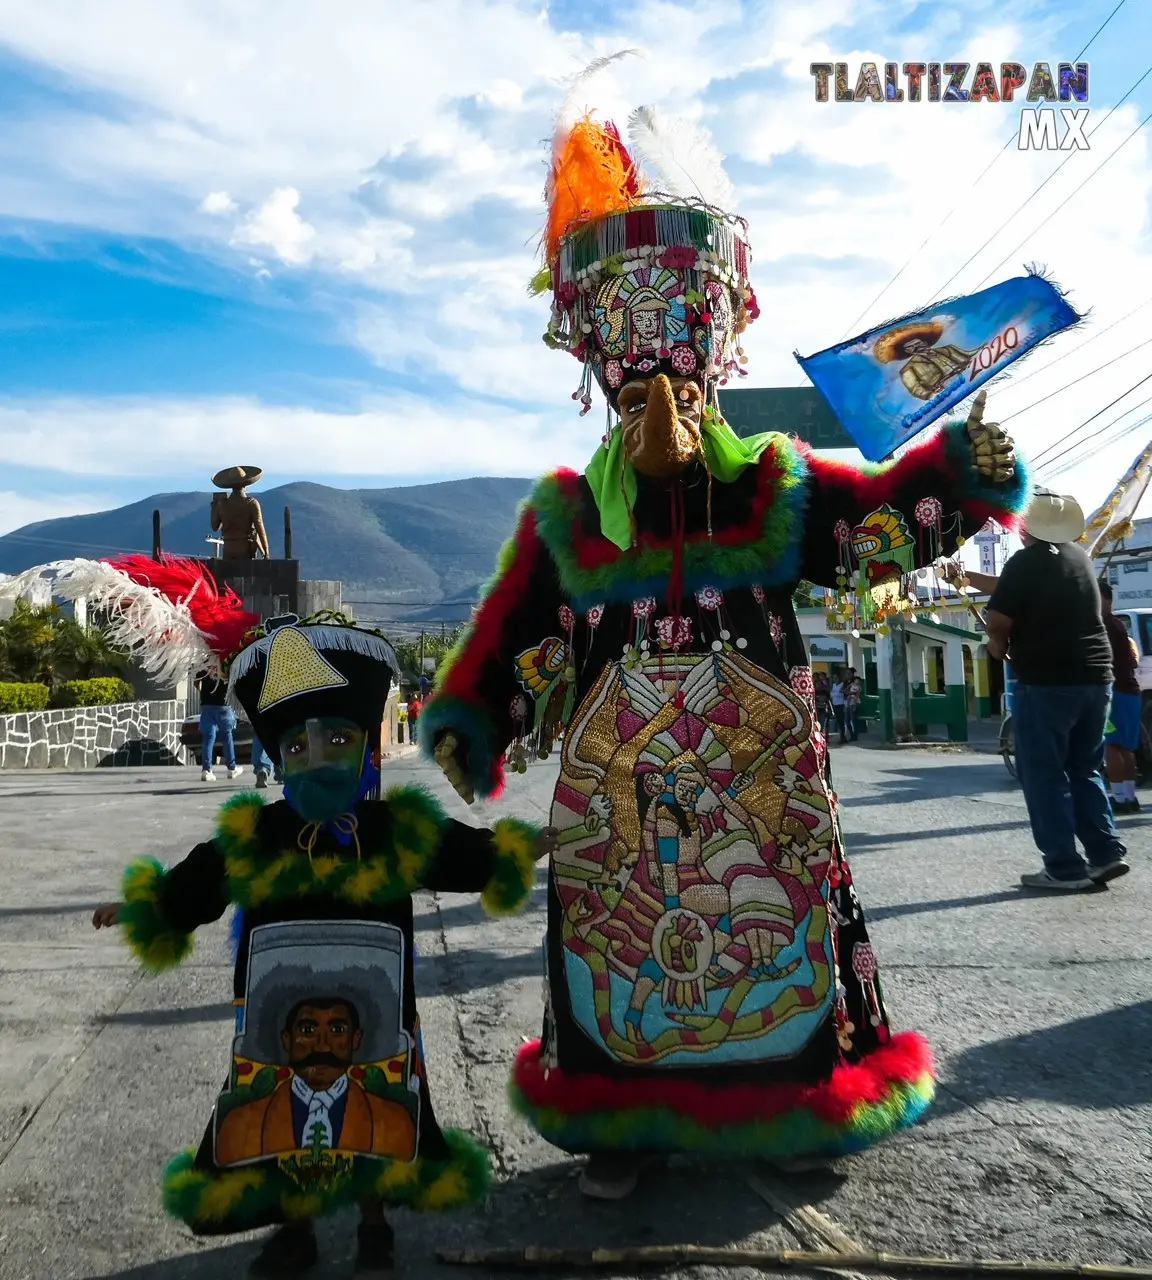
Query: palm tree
{"x": 40, "y": 644}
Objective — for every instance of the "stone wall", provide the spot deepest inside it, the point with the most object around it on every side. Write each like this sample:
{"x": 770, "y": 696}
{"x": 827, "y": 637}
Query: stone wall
{"x": 322, "y": 593}
{"x": 126, "y": 733}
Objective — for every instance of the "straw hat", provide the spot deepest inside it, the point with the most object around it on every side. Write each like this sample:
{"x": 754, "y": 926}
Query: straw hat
{"x": 1053, "y": 517}
{"x": 237, "y": 477}
{"x": 890, "y": 346}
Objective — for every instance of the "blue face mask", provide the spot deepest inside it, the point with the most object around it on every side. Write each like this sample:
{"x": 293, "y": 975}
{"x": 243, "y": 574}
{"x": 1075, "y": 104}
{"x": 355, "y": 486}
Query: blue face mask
{"x": 324, "y": 793}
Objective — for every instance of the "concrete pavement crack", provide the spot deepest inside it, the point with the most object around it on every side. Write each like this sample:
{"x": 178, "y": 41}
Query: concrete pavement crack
{"x": 1037, "y": 1147}
{"x": 466, "y": 1057}
{"x": 106, "y": 1015}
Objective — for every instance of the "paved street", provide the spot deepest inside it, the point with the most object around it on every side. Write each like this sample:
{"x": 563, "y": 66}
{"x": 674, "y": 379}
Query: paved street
{"x": 1038, "y": 1008}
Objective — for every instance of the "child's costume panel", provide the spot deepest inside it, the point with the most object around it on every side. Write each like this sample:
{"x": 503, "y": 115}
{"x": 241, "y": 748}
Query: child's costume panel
{"x": 323, "y": 1069}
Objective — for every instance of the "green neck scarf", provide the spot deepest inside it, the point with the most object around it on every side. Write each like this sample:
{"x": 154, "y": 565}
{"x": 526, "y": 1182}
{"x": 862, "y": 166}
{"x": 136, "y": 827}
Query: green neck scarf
{"x": 612, "y": 477}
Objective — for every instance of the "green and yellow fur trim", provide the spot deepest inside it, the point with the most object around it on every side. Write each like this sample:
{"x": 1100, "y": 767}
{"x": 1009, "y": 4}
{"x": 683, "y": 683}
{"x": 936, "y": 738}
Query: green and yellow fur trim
{"x": 218, "y": 1201}
{"x": 514, "y": 874}
{"x": 149, "y": 936}
{"x": 255, "y": 877}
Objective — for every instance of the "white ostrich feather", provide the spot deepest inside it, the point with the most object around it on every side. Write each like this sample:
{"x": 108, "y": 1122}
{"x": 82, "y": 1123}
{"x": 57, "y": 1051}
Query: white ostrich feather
{"x": 572, "y": 108}
{"x": 682, "y": 156}
{"x": 158, "y": 635}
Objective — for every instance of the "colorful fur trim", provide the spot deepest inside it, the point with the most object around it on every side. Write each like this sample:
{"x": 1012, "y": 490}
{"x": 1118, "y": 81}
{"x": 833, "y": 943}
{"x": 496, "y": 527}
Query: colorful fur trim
{"x": 455, "y": 704}
{"x": 482, "y": 761}
{"x": 764, "y": 550}
{"x": 861, "y": 1104}
{"x": 514, "y": 875}
{"x": 945, "y": 458}
{"x": 237, "y": 823}
{"x": 255, "y": 876}
{"x": 150, "y": 937}
{"x": 216, "y": 1202}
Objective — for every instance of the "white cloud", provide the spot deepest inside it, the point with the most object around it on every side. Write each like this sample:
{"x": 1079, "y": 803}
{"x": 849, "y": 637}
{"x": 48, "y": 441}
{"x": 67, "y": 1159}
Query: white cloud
{"x": 277, "y": 225}
{"x": 415, "y": 151}
{"x": 20, "y": 509}
{"x": 396, "y": 436}
{"x": 217, "y": 202}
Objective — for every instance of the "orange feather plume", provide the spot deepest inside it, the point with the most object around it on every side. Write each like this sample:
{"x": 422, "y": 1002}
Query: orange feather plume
{"x": 592, "y": 175}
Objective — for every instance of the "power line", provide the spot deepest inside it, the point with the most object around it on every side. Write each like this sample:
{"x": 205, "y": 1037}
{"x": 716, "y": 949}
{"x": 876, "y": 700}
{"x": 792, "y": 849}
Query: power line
{"x": 1020, "y": 208}
{"x": 1116, "y": 437}
{"x": 1063, "y": 204}
{"x": 1099, "y": 368}
{"x": 1146, "y": 378}
{"x": 1100, "y": 28}
{"x": 971, "y": 187}
{"x": 1076, "y": 350}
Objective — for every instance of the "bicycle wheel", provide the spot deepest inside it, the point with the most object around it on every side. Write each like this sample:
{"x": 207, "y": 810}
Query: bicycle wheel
{"x": 1008, "y": 746}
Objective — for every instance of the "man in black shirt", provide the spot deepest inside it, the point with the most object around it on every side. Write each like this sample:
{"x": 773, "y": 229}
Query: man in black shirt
{"x": 1045, "y": 617}
{"x": 216, "y": 718}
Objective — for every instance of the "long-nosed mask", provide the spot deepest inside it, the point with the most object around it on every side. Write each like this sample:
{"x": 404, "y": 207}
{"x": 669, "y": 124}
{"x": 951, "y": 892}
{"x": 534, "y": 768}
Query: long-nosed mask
{"x": 660, "y": 420}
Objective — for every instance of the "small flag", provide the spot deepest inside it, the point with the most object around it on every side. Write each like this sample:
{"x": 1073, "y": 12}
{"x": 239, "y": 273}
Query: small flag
{"x": 1112, "y": 520}
{"x": 891, "y": 382}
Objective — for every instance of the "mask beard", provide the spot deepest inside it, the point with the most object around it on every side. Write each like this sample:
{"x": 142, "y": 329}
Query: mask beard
{"x": 319, "y": 795}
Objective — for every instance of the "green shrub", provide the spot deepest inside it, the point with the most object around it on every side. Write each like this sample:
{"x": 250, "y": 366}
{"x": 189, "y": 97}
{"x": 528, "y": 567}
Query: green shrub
{"x": 15, "y": 698}
{"x": 100, "y": 692}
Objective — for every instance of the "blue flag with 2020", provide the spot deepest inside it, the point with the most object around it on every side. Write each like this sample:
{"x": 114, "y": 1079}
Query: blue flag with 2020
{"x": 893, "y": 381}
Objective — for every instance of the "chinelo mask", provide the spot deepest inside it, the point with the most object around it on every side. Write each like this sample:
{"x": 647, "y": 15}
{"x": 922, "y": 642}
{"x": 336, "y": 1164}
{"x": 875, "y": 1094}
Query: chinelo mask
{"x": 323, "y": 763}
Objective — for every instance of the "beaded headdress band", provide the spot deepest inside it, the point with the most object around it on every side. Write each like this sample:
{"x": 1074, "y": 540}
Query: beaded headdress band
{"x": 644, "y": 282}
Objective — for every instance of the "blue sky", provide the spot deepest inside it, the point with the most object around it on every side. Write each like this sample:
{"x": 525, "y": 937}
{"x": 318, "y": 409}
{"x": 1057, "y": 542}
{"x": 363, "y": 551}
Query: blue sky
{"x": 248, "y": 232}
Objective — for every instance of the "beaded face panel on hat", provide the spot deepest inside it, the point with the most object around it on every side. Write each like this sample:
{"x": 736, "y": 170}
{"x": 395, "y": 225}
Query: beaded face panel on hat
{"x": 655, "y": 290}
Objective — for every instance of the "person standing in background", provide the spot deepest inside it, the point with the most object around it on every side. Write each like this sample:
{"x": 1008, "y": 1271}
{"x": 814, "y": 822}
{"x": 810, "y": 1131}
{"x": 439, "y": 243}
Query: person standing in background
{"x": 838, "y": 707}
{"x": 263, "y": 765}
{"x": 1045, "y": 617}
{"x": 1121, "y": 742}
{"x": 414, "y": 708}
{"x": 824, "y": 704}
{"x": 216, "y": 718}
{"x": 852, "y": 693}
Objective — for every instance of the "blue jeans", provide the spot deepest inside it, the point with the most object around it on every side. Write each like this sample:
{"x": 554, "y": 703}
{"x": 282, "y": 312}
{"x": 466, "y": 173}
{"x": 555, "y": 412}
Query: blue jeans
{"x": 213, "y": 721}
{"x": 1059, "y": 731}
{"x": 261, "y": 761}
{"x": 850, "y": 711}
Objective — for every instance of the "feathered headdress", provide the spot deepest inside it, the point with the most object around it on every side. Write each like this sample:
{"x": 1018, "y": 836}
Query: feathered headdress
{"x": 644, "y": 279}
{"x": 168, "y": 614}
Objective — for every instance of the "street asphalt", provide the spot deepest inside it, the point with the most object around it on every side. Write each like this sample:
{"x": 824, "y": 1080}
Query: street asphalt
{"x": 1038, "y": 1008}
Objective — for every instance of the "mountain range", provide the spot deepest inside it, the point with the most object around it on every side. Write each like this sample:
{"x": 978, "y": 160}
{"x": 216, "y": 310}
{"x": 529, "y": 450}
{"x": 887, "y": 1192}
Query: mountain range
{"x": 418, "y": 552}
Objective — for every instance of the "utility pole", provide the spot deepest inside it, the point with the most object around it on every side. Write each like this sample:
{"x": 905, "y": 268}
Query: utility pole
{"x": 421, "y": 671}
{"x": 156, "y": 535}
{"x": 901, "y": 700}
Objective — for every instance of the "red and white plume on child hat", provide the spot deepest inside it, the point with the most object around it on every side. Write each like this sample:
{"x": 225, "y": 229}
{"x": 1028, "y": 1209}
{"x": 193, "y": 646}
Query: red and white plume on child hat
{"x": 168, "y": 614}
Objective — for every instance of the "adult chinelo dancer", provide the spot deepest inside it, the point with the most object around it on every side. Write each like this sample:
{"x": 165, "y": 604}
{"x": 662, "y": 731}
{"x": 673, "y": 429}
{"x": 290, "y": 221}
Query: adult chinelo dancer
{"x": 711, "y": 987}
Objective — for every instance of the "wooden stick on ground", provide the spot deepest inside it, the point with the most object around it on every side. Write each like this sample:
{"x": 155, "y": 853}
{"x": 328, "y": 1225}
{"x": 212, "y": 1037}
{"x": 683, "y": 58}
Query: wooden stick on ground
{"x": 698, "y": 1255}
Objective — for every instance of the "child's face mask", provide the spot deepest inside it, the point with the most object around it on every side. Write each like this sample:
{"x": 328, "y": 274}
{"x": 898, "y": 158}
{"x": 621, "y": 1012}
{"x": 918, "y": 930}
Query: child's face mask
{"x": 323, "y": 763}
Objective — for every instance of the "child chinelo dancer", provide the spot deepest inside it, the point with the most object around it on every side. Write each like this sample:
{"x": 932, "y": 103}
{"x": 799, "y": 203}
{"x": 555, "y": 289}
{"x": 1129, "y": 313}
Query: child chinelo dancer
{"x": 326, "y": 1102}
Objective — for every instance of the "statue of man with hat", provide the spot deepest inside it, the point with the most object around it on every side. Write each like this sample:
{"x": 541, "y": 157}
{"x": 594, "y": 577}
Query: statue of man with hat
{"x": 237, "y": 514}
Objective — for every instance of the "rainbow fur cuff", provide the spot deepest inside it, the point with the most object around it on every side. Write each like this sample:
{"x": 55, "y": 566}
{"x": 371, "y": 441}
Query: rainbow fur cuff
{"x": 514, "y": 874}
{"x": 149, "y": 936}
{"x": 861, "y": 1104}
{"x": 481, "y": 764}
{"x": 1001, "y": 501}
{"x": 222, "y": 1201}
